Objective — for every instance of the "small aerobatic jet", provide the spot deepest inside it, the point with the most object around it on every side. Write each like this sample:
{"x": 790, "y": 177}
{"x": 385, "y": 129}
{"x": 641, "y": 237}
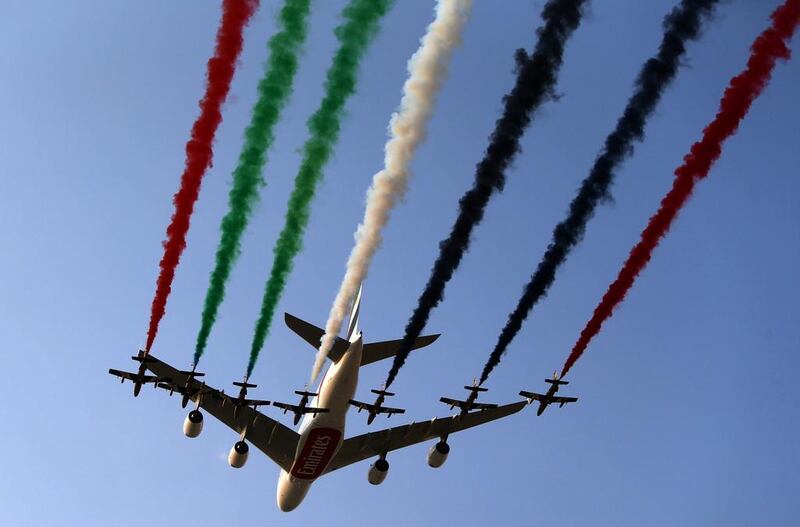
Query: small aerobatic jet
{"x": 377, "y": 407}
{"x": 189, "y": 389}
{"x": 470, "y": 403}
{"x": 550, "y": 397}
{"x": 241, "y": 400}
{"x": 301, "y": 409}
{"x": 319, "y": 446}
{"x": 139, "y": 378}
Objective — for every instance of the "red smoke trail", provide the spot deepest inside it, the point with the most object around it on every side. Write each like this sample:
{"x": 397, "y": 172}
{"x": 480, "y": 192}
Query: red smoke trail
{"x": 770, "y": 46}
{"x": 235, "y": 16}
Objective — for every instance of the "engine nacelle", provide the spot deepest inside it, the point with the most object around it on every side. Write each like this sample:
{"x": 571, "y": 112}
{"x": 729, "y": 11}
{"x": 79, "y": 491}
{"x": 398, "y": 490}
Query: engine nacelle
{"x": 238, "y": 454}
{"x": 193, "y": 424}
{"x": 378, "y": 471}
{"x": 437, "y": 455}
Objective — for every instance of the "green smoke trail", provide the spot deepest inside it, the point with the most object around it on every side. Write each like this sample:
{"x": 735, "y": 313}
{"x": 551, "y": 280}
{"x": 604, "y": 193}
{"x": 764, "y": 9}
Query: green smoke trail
{"x": 273, "y": 93}
{"x": 360, "y": 25}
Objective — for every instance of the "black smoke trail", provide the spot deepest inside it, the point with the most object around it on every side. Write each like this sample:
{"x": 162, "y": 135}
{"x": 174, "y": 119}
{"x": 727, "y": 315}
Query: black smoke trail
{"x": 682, "y": 25}
{"x": 536, "y": 77}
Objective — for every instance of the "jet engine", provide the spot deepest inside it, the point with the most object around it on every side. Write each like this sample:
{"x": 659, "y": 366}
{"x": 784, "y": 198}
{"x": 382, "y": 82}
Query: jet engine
{"x": 378, "y": 471}
{"x": 193, "y": 424}
{"x": 238, "y": 454}
{"x": 437, "y": 455}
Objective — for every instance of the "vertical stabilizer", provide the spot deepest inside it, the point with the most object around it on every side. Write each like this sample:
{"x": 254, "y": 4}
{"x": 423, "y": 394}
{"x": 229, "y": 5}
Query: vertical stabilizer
{"x": 352, "y": 328}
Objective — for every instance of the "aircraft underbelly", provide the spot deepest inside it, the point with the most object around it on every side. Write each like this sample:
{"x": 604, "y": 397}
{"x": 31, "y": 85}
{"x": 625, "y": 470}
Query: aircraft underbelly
{"x": 322, "y": 435}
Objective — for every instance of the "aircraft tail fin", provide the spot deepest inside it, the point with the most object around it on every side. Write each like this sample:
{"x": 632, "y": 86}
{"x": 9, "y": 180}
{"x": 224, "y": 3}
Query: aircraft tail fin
{"x": 352, "y": 328}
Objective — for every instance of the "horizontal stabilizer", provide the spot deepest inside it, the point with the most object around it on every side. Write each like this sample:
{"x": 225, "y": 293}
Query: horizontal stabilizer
{"x": 556, "y": 381}
{"x": 382, "y": 392}
{"x": 476, "y": 389}
{"x": 245, "y": 385}
{"x": 372, "y": 352}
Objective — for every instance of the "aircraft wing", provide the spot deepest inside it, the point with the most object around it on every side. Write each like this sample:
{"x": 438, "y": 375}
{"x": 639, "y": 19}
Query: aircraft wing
{"x": 256, "y": 402}
{"x": 277, "y": 441}
{"x": 564, "y": 400}
{"x": 482, "y": 406}
{"x": 373, "y": 444}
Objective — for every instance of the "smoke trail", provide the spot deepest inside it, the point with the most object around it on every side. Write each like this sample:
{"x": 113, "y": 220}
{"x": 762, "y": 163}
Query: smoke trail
{"x": 273, "y": 93}
{"x": 360, "y": 25}
{"x": 235, "y": 16}
{"x": 770, "y": 46}
{"x": 536, "y": 77}
{"x": 427, "y": 70}
{"x": 683, "y": 24}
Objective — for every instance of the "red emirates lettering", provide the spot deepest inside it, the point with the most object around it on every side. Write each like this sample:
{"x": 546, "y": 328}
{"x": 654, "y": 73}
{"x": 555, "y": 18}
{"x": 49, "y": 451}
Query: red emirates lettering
{"x": 316, "y": 454}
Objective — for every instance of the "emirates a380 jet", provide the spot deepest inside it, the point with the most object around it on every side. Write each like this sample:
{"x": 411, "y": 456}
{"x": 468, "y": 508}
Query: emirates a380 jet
{"x": 318, "y": 447}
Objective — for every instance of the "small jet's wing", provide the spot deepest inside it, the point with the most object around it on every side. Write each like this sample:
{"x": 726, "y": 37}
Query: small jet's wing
{"x": 277, "y": 441}
{"x": 300, "y": 409}
{"x": 564, "y": 400}
{"x": 124, "y": 375}
{"x": 287, "y": 407}
{"x": 532, "y": 396}
{"x": 372, "y": 444}
{"x": 144, "y": 379}
{"x": 256, "y": 402}
{"x": 390, "y": 411}
{"x": 362, "y": 406}
{"x": 453, "y": 402}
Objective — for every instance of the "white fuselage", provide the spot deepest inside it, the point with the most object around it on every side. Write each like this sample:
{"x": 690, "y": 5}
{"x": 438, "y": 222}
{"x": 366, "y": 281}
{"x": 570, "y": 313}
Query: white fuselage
{"x": 322, "y": 435}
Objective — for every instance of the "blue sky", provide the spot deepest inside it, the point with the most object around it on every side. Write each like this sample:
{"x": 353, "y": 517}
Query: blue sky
{"x": 687, "y": 413}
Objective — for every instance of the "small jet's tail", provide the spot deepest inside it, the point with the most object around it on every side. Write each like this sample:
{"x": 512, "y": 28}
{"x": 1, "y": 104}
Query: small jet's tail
{"x": 555, "y": 380}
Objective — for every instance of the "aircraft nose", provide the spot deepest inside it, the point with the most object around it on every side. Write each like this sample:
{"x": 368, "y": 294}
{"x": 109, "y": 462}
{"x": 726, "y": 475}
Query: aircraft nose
{"x": 289, "y": 495}
{"x": 285, "y": 506}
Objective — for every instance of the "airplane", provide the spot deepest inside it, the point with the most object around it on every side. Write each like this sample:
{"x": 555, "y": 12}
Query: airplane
{"x": 189, "y": 389}
{"x": 241, "y": 400}
{"x": 301, "y": 409}
{"x": 139, "y": 378}
{"x": 550, "y": 397}
{"x": 469, "y": 403}
{"x": 377, "y": 407}
{"x": 318, "y": 447}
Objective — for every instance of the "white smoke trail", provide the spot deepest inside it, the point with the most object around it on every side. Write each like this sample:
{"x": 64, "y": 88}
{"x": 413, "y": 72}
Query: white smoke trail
{"x": 427, "y": 69}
